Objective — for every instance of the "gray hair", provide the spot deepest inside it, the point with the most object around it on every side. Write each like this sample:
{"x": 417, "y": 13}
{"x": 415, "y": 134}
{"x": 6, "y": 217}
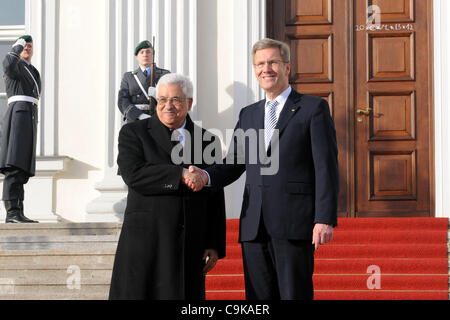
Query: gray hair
{"x": 175, "y": 78}
{"x": 285, "y": 51}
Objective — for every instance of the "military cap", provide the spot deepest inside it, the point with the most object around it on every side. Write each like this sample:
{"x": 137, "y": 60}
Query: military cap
{"x": 143, "y": 45}
{"x": 27, "y": 38}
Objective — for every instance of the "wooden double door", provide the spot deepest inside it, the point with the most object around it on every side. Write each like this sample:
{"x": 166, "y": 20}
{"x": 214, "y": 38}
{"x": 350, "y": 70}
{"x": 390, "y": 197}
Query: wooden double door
{"x": 371, "y": 59}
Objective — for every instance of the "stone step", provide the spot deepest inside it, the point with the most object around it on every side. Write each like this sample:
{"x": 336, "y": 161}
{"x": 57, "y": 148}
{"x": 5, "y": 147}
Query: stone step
{"x": 64, "y": 258}
{"x": 50, "y": 242}
{"x": 53, "y": 292}
{"x": 59, "y": 229}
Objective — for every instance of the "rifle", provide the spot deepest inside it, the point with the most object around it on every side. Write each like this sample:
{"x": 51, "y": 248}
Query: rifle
{"x": 152, "y": 101}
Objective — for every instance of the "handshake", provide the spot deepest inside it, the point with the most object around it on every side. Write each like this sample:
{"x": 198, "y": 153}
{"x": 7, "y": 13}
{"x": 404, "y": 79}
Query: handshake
{"x": 194, "y": 178}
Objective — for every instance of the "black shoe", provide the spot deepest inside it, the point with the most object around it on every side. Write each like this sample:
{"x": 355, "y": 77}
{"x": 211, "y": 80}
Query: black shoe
{"x": 14, "y": 212}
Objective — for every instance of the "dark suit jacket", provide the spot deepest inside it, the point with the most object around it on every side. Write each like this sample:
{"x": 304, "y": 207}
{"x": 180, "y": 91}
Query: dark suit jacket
{"x": 166, "y": 226}
{"x": 305, "y": 189}
{"x": 130, "y": 92}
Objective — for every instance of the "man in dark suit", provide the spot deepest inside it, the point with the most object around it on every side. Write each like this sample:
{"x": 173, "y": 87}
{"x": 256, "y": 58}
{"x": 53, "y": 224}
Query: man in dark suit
{"x": 171, "y": 237}
{"x": 282, "y": 212}
{"x": 19, "y": 127}
{"x": 134, "y": 100}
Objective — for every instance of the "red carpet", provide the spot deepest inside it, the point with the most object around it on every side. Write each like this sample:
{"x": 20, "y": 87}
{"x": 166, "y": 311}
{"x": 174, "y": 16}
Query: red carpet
{"x": 409, "y": 253}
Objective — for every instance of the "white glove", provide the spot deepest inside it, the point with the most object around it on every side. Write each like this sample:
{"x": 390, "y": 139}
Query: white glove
{"x": 144, "y": 116}
{"x": 20, "y": 42}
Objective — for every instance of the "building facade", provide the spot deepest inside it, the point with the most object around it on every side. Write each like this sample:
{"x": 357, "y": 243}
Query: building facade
{"x": 82, "y": 49}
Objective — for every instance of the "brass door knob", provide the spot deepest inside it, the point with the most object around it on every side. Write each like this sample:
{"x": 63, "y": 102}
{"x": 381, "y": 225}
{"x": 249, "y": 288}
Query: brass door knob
{"x": 365, "y": 112}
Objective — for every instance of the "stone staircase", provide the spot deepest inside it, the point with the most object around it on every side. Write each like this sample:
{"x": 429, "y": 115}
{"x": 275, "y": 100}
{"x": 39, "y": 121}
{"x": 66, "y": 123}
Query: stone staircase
{"x": 61, "y": 261}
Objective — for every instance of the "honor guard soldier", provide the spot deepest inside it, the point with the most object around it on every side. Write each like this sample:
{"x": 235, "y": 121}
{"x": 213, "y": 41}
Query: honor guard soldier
{"x": 136, "y": 101}
{"x": 19, "y": 128}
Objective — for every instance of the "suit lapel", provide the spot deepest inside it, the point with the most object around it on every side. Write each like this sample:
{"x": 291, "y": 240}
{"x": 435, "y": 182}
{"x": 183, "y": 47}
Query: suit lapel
{"x": 289, "y": 110}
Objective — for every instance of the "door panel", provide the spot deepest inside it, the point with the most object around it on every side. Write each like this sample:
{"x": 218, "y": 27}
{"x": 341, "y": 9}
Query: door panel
{"x": 376, "y": 79}
{"x": 317, "y": 33}
{"x": 392, "y": 127}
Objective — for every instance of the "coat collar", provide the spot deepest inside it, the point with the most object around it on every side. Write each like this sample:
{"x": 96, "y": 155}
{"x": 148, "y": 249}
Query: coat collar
{"x": 161, "y": 134}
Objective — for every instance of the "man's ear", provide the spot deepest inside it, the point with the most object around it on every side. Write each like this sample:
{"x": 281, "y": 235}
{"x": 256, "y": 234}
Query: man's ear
{"x": 190, "y": 102}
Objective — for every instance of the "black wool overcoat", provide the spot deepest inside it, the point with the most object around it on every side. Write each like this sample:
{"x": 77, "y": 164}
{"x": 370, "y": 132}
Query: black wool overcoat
{"x": 166, "y": 226}
{"x": 19, "y": 126}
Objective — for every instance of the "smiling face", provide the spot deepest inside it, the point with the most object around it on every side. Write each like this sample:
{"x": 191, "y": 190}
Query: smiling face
{"x": 27, "y": 52}
{"x": 271, "y": 72}
{"x": 173, "y": 106}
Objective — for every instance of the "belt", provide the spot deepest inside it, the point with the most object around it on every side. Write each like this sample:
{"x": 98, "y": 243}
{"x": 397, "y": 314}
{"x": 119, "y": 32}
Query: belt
{"x": 143, "y": 107}
{"x": 23, "y": 98}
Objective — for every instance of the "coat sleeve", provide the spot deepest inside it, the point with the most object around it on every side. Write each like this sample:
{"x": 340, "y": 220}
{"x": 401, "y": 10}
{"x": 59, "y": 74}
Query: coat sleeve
{"x": 11, "y": 62}
{"x": 126, "y": 107}
{"x": 143, "y": 177}
{"x": 325, "y": 157}
{"x": 216, "y": 215}
{"x": 232, "y": 167}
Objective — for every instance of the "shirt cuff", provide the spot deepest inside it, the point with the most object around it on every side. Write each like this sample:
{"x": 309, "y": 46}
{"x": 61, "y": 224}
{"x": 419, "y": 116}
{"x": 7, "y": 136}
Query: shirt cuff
{"x": 209, "y": 179}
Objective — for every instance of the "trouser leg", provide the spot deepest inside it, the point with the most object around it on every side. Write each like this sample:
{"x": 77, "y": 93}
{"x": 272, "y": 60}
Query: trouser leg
{"x": 13, "y": 184}
{"x": 259, "y": 268}
{"x": 277, "y": 269}
{"x": 13, "y": 195}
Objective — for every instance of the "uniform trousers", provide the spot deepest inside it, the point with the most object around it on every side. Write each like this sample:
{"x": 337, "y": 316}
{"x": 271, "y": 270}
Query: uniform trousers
{"x": 278, "y": 269}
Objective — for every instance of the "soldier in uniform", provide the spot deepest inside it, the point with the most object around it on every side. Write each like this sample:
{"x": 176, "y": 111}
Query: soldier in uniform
{"x": 135, "y": 102}
{"x": 19, "y": 127}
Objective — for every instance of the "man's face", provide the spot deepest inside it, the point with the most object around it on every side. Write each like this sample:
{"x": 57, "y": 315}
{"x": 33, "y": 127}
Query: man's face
{"x": 145, "y": 57}
{"x": 270, "y": 70}
{"x": 173, "y": 106}
{"x": 27, "y": 52}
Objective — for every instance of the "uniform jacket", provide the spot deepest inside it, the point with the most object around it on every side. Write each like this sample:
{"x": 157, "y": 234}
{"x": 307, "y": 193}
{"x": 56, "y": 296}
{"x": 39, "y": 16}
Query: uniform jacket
{"x": 130, "y": 92}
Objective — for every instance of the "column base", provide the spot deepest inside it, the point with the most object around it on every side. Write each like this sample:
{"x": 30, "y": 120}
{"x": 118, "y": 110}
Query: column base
{"x": 39, "y": 203}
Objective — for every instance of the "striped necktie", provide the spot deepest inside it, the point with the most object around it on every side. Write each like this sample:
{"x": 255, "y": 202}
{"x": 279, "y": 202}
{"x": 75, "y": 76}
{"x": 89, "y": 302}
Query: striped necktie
{"x": 270, "y": 121}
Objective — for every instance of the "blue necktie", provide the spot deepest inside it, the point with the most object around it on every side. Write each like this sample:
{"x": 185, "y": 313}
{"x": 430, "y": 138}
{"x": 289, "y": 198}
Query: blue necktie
{"x": 270, "y": 121}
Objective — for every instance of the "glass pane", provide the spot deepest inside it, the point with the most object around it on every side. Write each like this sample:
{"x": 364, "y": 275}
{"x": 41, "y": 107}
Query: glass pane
{"x": 12, "y": 12}
{"x": 5, "y": 47}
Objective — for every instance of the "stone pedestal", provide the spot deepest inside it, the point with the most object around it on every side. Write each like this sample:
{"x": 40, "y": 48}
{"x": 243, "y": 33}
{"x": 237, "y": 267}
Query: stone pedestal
{"x": 40, "y": 190}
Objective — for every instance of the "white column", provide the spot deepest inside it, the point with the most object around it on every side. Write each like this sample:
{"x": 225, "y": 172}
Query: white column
{"x": 441, "y": 110}
{"x": 249, "y": 26}
{"x": 129, "y": 22}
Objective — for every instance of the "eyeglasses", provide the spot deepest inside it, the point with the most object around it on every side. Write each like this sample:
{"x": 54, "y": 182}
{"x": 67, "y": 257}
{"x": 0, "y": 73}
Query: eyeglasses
{"x": 176, "y": 101}
{"x": 271, "y": 64}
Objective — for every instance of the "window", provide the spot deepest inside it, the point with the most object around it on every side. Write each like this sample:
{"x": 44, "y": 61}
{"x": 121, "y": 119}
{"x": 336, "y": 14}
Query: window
{"x": 12, "y": 13}
{"x": 12, "y": 26}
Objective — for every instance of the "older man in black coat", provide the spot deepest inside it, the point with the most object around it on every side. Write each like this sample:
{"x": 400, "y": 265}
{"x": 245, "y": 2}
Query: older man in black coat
{"x": 171, "y": 236}
{"x": 19, "y": 127}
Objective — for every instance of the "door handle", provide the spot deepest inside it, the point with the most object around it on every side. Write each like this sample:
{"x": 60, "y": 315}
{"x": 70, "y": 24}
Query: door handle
{"x": 365, "y": 112}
